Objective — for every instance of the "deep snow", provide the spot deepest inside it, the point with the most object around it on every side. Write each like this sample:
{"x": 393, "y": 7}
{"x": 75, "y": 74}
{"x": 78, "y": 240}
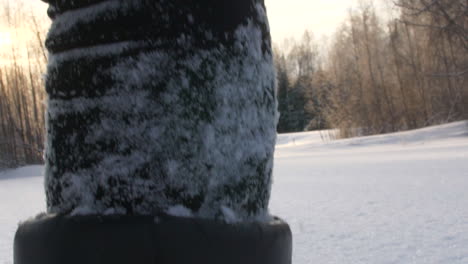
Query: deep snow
{"x": 396, "y": 198}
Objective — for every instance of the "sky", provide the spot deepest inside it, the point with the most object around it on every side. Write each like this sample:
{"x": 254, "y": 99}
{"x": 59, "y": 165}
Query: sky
{"x": 288, "y": 18}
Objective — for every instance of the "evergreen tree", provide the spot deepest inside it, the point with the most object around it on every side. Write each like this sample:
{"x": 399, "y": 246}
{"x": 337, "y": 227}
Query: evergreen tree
{"x": 299, "y": 116}
{"x": 283, "y": 95}
{"x": 297, "y": 97}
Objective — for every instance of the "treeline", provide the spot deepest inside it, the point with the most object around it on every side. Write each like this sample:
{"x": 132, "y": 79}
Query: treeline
{"x": 22, "y": 94}
{"x": 302, "y": 85}
{"x": 377, "y": 75}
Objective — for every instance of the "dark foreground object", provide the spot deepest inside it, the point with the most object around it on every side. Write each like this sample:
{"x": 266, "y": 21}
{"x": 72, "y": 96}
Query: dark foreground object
{"x": 150, "y": 240}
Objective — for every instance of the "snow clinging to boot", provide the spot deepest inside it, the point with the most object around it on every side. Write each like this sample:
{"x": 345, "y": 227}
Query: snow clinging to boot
{"x": 160, "y": 105}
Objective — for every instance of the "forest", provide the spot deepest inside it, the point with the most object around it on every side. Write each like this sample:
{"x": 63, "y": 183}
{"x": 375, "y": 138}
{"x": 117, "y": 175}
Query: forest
{"x": 378, "y": 73}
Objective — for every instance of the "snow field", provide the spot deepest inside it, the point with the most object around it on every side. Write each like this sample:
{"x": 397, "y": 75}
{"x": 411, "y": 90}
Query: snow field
{"x": 396, "y": 198}
{"x": 21, "y": 197}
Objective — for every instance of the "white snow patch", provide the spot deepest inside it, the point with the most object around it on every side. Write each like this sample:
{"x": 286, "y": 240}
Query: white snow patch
{"x": 83, "y": 210}
{"x": 94, "y": 51}
{"x": 115, "y": 211}
{"x": 179, "y": 210}
{"x": 229, "y": 215}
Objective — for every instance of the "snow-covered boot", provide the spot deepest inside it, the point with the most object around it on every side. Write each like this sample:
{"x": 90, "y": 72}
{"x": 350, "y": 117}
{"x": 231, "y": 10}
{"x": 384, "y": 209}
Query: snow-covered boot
{"x": 160, "y": 133}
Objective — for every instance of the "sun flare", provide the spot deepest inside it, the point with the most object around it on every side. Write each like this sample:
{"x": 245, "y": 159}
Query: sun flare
{"x": 5, "y": 38}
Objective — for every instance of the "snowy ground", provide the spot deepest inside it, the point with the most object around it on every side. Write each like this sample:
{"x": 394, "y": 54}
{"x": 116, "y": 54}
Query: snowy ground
{"x": 396, "y": 198}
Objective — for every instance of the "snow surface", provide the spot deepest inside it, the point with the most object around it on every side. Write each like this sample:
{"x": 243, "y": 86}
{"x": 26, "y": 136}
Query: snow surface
{"x": 180, "y": 211}
{"x": 396, "y": 198}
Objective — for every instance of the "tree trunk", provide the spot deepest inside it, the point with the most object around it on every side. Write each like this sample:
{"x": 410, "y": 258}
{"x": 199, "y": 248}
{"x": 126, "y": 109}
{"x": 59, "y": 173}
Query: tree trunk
{"x": 418, "y": 78}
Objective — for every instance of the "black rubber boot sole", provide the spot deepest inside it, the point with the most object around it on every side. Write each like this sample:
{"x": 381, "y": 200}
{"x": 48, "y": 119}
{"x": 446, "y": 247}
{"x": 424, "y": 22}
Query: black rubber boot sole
{"x": 150, "y": 240}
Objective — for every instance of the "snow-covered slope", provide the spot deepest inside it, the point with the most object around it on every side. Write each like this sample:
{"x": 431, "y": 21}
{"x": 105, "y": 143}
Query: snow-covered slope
{"x": 395, "y": 198}
{"x": 21, "y": 196}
